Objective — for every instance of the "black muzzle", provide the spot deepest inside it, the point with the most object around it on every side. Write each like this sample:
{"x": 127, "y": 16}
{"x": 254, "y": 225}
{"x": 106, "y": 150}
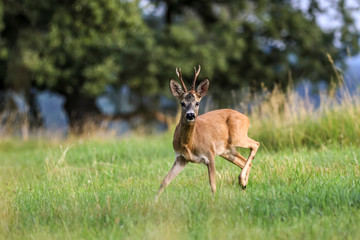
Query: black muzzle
{"x": 190, "y": 116}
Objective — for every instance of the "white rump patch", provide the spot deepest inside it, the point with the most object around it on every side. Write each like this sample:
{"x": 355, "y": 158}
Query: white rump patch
{"x": 200, "y": 159}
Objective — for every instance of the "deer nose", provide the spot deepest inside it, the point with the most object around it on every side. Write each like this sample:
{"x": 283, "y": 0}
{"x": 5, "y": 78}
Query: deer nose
{"x": 190, "y": 116}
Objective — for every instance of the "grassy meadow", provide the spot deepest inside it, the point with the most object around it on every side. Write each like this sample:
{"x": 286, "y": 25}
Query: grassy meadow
{"x": 304, "y": 184}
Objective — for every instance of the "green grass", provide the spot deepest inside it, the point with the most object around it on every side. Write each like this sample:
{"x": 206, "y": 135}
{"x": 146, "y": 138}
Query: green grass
{"x": 106, "y": 190}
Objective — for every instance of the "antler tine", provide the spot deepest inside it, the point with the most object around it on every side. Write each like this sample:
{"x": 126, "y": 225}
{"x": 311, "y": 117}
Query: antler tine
{"x": 178, "y": 73}
{"x": 196, "y": 75}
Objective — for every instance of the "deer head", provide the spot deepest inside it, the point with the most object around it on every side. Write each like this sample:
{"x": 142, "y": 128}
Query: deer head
{"x": 189, "y": 100}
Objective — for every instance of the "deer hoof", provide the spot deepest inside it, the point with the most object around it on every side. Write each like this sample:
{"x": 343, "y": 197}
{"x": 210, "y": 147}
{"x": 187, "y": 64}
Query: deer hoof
{"x": 242, "y": 183}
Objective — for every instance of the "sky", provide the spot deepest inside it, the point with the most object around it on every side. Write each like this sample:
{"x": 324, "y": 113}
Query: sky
{"x": 330, "y": 19}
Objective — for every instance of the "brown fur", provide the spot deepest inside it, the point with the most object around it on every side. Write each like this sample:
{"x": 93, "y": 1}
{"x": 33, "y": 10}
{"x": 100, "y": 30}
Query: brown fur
{"x": 219, "y": 129}
{"x": 214, "y": 133}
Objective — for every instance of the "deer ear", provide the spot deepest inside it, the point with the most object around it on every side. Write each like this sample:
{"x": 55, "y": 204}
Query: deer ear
{"x": 203, "y": 88}
{"x": 176, "y": 89}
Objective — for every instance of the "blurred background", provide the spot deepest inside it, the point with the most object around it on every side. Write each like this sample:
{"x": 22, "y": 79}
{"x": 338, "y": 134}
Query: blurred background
{"x": 74, "y": 66}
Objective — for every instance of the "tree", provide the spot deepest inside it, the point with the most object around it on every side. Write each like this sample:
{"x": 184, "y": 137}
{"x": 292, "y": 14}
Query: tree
{"x": 75, "y": 48}
{"x": 251, "y": 43}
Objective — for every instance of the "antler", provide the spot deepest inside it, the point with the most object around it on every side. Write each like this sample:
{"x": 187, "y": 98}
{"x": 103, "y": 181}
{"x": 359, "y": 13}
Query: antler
{"x": 178, "y": 73}
{"x": 196, "y": 75}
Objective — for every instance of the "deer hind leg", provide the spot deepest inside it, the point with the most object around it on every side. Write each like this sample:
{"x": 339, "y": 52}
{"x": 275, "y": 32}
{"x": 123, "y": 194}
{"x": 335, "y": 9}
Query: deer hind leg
{"x": 235, "y": 158}
{"x": 178, "y": 166}
{"x": 244, "y": 175}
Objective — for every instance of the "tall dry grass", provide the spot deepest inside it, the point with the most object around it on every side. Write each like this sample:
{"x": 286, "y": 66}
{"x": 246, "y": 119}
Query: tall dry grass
{"x": 284, "y": 119}
{"x": 279, "y": 119}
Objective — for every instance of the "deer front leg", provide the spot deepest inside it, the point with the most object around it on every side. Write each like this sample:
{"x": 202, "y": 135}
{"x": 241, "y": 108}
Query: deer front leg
{"x": 178, "y": 166}
{"x": 211, "y": 170}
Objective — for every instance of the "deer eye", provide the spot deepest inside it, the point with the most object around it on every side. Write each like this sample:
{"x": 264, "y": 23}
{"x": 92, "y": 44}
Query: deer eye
{"x": 182, "y": 104}
{"x": 197, "y": 104}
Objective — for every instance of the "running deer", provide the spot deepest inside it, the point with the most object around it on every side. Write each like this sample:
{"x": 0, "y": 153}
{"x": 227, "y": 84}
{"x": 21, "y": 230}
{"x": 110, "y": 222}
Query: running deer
{"x": 198, "y": 139}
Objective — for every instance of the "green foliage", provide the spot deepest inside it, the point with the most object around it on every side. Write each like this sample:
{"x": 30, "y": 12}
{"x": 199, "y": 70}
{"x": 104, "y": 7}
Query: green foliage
{"x": 1, "y": 16}
{"x": 76, "y": 48}
{"x": 250, "y": 43}
{"x": 106, "y": 189}
{"x": 72, "y": 47}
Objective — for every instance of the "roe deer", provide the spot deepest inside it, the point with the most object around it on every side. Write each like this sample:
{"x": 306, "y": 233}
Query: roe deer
{"x": 199, "y": 139}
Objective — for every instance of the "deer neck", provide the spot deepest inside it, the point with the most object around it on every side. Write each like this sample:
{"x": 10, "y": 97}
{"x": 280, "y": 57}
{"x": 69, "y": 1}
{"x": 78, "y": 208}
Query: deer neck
{"x": 186, "y": 132}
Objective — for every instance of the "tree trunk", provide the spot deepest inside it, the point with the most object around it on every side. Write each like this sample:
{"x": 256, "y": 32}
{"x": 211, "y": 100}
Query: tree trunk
{"x": 81, "y": 111}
